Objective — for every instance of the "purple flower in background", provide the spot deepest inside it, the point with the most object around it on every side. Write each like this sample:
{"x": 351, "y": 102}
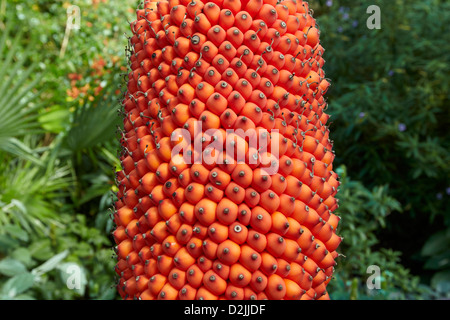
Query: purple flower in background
{"x": 355, "y": 23}
{"x": 341, "y": 9}
{"x": 362, "y": 114}
{"x": 401, "y": 127}
{"x": 448, "y": 191}
{"x": 329, "y": 3}
{"x": 340, "y": 29}
{"x": 345, "y": 16}
{"x": 439, "y": 196}
{"x": 391, "y": 73}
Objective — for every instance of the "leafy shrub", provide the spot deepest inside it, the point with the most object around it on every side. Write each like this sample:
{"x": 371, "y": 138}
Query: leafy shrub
{"x": 57, "y": 157}
{"x": 363, "y": 212}
{"x": 389, "y": 104}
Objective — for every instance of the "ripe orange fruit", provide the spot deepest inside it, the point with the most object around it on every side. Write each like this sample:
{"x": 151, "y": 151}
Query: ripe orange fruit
{"x": 226, "y": 188}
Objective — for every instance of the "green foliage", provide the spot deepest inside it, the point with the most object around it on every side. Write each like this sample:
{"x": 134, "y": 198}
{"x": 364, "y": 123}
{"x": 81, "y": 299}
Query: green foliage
{"x": 18, "y": 109}
{"x": 390, "y": 115}
{"x": 436, "y": 250}
{"x": 36, "y": 223}
{"x": 363, "y": 212}
{"x": 57, "y": 150}
{"x": 389, "y": 104}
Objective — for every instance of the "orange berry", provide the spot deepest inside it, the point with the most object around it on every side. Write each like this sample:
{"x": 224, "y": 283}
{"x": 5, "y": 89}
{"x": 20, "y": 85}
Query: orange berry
{"x": 228, "y": 252}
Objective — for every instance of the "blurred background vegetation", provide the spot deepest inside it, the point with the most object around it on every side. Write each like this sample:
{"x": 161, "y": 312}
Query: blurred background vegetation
{"x": 58, "y": 145}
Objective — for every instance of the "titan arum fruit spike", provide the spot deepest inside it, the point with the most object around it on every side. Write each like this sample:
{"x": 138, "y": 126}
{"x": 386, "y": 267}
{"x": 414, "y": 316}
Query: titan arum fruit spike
{"x": 227, "y": 189}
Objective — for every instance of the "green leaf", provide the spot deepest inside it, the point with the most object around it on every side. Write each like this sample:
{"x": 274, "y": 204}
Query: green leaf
{"x": 93, "y": 125}
{"x": 23, "y": 255}
{"x": 18, "y": 148}
{"x": 107, "y": 294}
{"x": 11, "y": 267}
{"x": 16, "y": 231}
{"x": 6, "y": 242}
{"x": 50, "y": 264}
{"x": 18, "y": 284}
{"x": 437, "y": 243}
{"x": 438, "y": 261}
{"x": 441, "y": 281}
{"x": 41, "y": 250}
{"x": 55, "y": 121}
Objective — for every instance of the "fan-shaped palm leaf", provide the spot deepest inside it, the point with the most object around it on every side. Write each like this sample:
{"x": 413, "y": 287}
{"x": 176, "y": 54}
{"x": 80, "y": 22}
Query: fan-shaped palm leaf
{"x": 95, "y": 123}
{"x": 18, "y": 108}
